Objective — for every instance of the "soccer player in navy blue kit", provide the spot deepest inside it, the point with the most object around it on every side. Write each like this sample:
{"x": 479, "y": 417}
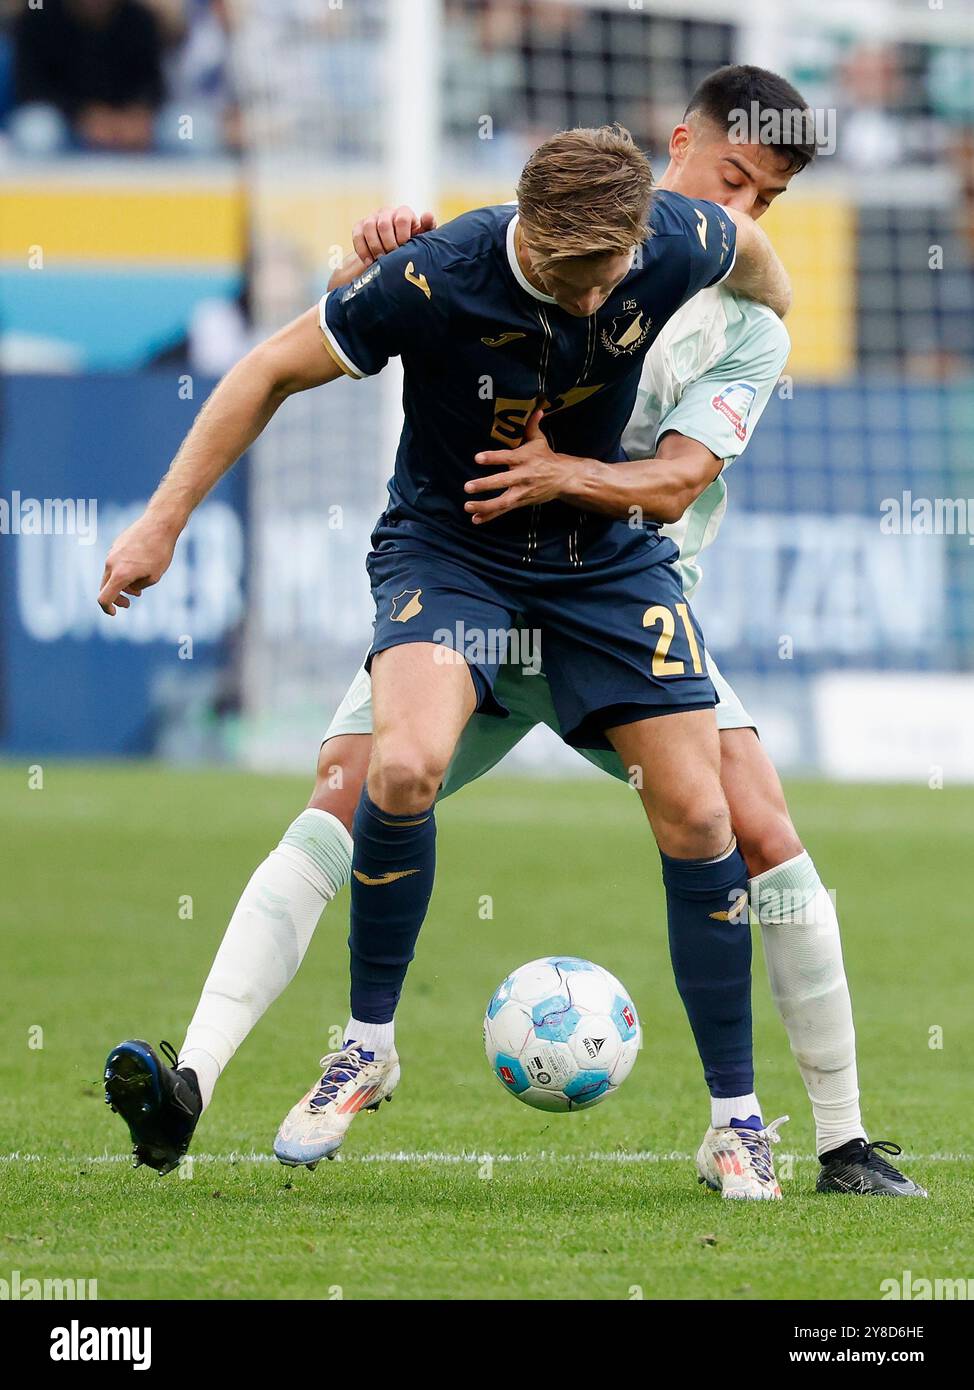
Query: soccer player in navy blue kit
{"x": 549, "y": 306}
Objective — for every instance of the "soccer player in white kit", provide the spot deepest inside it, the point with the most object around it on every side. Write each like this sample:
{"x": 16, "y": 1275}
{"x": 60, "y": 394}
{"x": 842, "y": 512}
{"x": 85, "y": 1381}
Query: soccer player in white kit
{"x": 705, "y": 383}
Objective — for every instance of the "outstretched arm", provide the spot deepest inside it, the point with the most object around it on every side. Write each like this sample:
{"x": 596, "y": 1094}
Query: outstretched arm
{"x": 294, "y": 359}
{"x": 758, "y": 271}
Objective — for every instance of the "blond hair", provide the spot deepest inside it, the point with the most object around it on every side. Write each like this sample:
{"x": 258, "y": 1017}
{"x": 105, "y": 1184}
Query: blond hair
{"x": 585, "y": 192}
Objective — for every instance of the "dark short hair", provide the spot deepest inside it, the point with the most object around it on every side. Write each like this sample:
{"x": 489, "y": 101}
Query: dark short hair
{"x": 737, "y": 87}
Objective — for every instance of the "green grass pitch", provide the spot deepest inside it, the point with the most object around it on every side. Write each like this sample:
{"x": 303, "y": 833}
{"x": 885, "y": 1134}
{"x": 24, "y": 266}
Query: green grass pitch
{"x": 455, "y": 1190}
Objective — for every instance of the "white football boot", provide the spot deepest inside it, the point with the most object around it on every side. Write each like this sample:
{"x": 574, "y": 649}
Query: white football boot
{"x": 737, "y": 1162}
{"x": 352, "y": 1080}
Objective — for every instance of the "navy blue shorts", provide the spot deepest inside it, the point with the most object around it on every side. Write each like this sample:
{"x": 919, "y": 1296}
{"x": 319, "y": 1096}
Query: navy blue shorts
{"x": 617, "y": 636}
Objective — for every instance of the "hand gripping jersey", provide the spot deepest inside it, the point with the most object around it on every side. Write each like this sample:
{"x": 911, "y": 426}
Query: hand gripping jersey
{"x": 709, "y": 375}
{"x": 481, "y": 348}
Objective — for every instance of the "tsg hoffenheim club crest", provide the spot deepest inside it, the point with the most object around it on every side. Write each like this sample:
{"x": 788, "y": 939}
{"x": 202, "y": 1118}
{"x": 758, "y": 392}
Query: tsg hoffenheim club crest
{"x": 628, "y": 331}
{"x": 406, "y": 605}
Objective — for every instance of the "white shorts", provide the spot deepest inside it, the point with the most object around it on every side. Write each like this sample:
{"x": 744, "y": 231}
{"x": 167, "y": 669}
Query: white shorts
{"x": 731, "y": 713}
{"x": 354, "y": 714}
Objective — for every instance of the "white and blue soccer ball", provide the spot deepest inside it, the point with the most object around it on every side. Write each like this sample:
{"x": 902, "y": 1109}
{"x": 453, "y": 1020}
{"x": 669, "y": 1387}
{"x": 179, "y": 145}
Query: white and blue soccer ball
{"x": 561, "y": 1033}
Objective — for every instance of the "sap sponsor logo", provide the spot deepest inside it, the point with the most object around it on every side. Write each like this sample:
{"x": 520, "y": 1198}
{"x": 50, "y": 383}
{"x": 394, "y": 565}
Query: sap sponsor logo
{"x": 50, "y": 516}
{"x": 926, "y": 1290}
{"x": 17, "y": 1289}
{"x": 77, "y": 1343}
{"x": 735, "y": 403}
{"x": 202, "y": 593}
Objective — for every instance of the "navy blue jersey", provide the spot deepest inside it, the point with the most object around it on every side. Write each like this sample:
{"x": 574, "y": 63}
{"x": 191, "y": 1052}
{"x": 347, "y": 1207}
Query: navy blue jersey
{"x": 482, "y": 348}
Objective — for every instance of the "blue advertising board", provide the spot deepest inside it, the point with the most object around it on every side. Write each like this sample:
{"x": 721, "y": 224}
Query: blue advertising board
{"x": 79, "y": 457}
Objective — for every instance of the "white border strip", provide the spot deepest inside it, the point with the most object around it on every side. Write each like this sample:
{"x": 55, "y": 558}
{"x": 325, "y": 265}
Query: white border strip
{"x": 515, "y": 265}
{"x": 333, "y": 342}
{"x": 729, "y": 269}
{"x": 406, "y": 1156}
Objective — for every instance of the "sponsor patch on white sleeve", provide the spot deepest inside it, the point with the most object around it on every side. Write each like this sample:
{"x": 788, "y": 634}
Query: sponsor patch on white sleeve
{"x": 735, "y": 402}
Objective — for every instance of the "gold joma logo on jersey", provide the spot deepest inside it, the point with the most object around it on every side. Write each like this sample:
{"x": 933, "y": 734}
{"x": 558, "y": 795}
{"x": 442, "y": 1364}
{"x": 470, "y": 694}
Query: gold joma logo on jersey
{"x": 390, "y": 877}
{"x": 410, "y": 601}
{"x": 628, "y": 332}
{"x": 502, "y": 339}
{"x": 420, "y": 281}
{"x": 735, "y": 914}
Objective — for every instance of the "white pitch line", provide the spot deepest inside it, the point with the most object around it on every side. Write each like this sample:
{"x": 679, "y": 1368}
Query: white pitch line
{"x": 435, "y": 1157}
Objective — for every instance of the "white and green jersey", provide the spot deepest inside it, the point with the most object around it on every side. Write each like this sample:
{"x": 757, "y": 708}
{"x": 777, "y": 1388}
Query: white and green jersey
{"x": 709, "y": 375}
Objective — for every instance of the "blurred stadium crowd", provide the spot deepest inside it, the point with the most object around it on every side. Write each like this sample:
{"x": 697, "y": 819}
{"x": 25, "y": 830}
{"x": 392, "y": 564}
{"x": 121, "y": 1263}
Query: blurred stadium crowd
{"x": 123, "y": 76}
{"x": 114, "y": 75}
{"x": 106, "y": 74}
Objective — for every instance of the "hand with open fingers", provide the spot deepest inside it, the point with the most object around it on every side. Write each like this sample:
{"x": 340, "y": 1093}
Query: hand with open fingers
{"x": 387, "y": 229}
{"x": 138, "y": 559}
{"x": 533, "y": 473}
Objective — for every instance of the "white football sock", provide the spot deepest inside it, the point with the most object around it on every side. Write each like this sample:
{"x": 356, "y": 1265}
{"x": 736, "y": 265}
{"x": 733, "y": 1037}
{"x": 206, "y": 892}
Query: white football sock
{"x": 803, "y": 951}
{"x": 723, "y": 1109}
{"x": 266, "y": 940}
{"x": 379, "y": 1038}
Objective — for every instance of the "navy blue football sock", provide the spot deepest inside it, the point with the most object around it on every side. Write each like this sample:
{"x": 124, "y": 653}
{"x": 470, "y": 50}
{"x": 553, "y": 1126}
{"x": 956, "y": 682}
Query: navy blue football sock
{"x": 710, "y": 948}
{"x": 393, "y": 863}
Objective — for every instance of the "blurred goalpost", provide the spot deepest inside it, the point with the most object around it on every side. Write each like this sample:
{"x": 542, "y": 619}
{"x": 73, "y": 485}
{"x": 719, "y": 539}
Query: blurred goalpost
{"x": 341, "y": 113}
{"x": 351, "y": 103}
